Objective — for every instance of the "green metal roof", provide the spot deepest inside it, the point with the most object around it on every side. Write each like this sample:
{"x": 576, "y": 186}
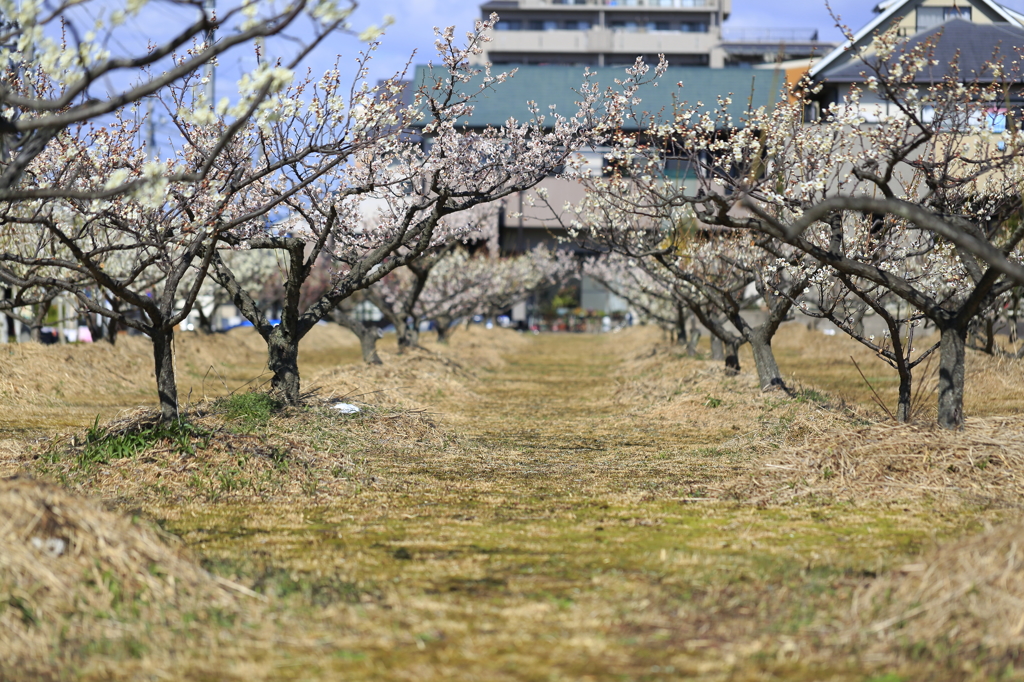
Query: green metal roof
{"x": 555, "y": 85}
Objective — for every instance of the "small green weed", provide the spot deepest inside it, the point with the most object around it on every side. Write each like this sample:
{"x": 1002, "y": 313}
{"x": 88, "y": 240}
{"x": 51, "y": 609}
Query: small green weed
{"x": 252, "y": 409}
{"x": 102, "y": 446}
{"x": 713, "y": 402}
{"x": 809, "y": 395}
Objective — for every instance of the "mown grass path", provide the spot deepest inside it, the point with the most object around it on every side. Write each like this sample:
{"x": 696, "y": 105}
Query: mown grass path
{"x": 561, "y": 536}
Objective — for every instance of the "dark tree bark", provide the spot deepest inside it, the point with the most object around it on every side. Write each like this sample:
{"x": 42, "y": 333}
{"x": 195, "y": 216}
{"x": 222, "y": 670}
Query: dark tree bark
{"x": 691, "y": 343}
{"x": 903, "y": 404}
{"x": 166, "y": 385}
{"x": 410, "y": 335}
{"x": 768, "y": 374}
{"x": 445, "y": 327}
{"x": 952, "y": 355}
{"x": 283, "y": 361}
{"x": 680, "y": 326}
{"x": 205, "y": 321}
{"x": 367, "y": 335}
{"x": 38, "y": 320}
{"x": 732, "y": 357}
{"x": 717, "y": 348}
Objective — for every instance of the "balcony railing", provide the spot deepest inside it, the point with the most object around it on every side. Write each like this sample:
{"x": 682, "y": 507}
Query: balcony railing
{"x": 772, "y": 36}
{"x": 639, "y": 3}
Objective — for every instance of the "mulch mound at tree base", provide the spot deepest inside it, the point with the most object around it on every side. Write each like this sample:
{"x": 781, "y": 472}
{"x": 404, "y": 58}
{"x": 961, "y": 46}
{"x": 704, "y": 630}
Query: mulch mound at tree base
{"x": 659, "y": 381}
{"x": 81, "y": 587}
{"x": 962, "y": 602}
{"x": 420, "y": 378}
{"x": 214, "y": 456}
{"x": 982, "y": 464}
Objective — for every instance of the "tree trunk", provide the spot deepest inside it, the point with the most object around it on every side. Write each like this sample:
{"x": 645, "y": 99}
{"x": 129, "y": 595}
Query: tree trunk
{"x": 36, "y": 330}
{"x": 444, "y": 328}
{"x": 366, "y": 334}
{"x": 205, "y": 323}
{"x": 732, "y": 357}
{"x": 768, "y": 374}
{"x": 679, "y": 334}
{"x": 112, "y": 325}
{"x": 952, "y": 357}
{"x": 691, "y": 343}
{"x": 717, "y": 348}
{"x": 283, "y": 354}
{"x": 990, "y": 335}
{"x": 408, "y": 335}
{"x": 368, "y": 344}
{"x": 97, "y": 328}
{"x": 166, "y": 386}
{"x": 110, "y": 332}
{"x": 903, "y": 402}
{"x": 681, "y": 319}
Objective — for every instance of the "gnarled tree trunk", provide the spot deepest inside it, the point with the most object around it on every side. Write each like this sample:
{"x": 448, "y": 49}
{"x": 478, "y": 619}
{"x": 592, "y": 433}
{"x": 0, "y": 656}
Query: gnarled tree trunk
{"x": 952, "y": 356}
{"x": 717, "y": 348}
{"x": 408, "y": 334}
{"x": 903, "y": 402}
{"x": 444, "y": 328}
{"x": 732, "y": 357}
{"x": 768, "y": 374}
{"x": 366, "y": 334}
{"x": 166, "y": 386}
{"x": 205, "y": 321}
{"x": 283, "y": 361}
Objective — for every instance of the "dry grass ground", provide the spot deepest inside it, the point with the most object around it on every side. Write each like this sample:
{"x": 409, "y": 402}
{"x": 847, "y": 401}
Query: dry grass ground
{"x": 536, "y": 508}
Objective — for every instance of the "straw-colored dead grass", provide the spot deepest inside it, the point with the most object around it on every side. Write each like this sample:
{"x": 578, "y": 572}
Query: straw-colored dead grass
{"x": 81, "y": 588}
{"x": 806, "y": 444}
{"x": 310, "y": 452}
{"x": 660, "y": 381}
{"x": 68, "y": 385}
{"x": 994, "y": 384}
{"x": 962, "y": 603}
{"x": 421, "y": 378}
{"x": 981, "y": 465}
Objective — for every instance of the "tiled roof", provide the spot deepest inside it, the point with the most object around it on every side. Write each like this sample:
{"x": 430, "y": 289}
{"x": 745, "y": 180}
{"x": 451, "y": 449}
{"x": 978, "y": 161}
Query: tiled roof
{"x": 555, "y": 85}
{"x": 889, "y": 10}
{"x": 974, "y": 43}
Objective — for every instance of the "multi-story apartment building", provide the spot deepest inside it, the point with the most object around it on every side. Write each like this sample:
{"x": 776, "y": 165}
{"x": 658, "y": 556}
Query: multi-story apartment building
{"x": 616, "y": 32}
{"x": 607, "y": 32}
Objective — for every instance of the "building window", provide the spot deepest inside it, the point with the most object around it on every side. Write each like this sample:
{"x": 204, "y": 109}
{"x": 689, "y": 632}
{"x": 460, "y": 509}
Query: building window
{"x": 659, "y": 26}
{"x": 535, "y": 25}
{"x": 511, "y": 25}
{"x": 577, "y": 26}
{"x": 629, "y": 26}
{"x": 680, "y": 169}
{"x": 693, "y": 27}
{"x": 930, "y": 17}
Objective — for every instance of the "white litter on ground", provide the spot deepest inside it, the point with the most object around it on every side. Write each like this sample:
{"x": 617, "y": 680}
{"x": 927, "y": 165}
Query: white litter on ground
{"x": 345, "y": 408}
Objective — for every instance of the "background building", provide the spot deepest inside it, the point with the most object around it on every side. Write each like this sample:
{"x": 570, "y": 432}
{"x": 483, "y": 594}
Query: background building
{"x": 615, "y": 32}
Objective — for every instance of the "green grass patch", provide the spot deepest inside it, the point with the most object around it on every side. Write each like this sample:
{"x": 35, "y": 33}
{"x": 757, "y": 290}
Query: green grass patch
{"x": 252, "y": 409}
{"x": 102, "y": 445}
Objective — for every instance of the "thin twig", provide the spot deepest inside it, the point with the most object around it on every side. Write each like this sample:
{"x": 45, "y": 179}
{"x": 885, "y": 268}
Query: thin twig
{"x": 878, "y": 399}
